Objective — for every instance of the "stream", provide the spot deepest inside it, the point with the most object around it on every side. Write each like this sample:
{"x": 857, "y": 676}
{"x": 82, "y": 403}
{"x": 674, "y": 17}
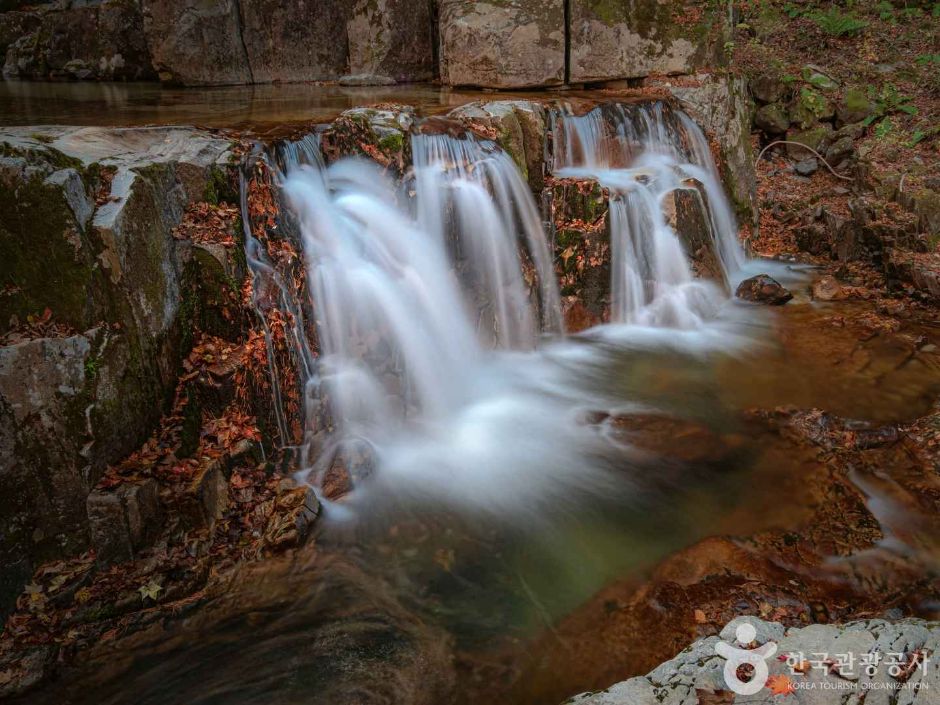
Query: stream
{"x": 511, "y": 472}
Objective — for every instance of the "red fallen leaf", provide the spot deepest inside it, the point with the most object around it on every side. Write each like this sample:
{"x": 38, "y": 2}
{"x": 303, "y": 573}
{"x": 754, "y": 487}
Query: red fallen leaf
{"x": 780, "y": 685}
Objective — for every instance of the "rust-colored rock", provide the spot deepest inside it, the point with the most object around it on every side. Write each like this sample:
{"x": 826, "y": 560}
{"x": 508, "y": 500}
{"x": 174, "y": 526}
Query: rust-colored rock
{"x": 763, "y": 289}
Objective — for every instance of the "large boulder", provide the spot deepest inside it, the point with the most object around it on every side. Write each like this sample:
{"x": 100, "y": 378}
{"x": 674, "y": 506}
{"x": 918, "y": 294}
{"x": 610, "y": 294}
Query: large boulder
{"x": 391, "y": 38}
{"x": 502, "y": 43}
{"x": 303, "y": 40}
{"x": 720, "y": 106}
{"x": 87, "y": 238}
{"x": 197, "y": 43}
{"x": 518, "y": 126}
{"x": 103, "y": 41}
{"x": 617, "y": 39}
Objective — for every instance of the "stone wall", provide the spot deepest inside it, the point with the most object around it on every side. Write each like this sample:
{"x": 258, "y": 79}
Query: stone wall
{"x": 505, "y": 44}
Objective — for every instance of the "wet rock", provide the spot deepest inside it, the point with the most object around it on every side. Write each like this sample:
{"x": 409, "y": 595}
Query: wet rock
{"x": 806, "y": 167}
{"x": 25, "y": 670}
{"x": 99, "y": 41}
{"x": 42, "y": 385}
{"x": 720, "y": 105}
{"x": 75, "y": 193}
{"x": 124, "y": 520}
{"x": 684, "y": 213}
{"x": 579, "y": 214}
{"x": 98, "y": 394}
{"x": 828, "y": 289}
{"x": 853, "y": 107}
{"x": 513, "y": 44}
{"x": 294, "y": 514}
{"x": 390, "y": 38}
{"x": 697, "y": 671}
{"x": 768, "y": 88}
{"x": 772, "y": 119}
{"x": 763, "y": 289}
{"x": 379, "y": 134}
{"x": 366, "y": 79}
{"x": 630, "y": 40}
{"x": 518, "y": 126}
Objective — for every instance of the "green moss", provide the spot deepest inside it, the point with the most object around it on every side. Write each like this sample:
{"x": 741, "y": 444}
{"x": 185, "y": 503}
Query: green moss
{"x": 568, "y": 238}
{"x": 218, "y": 188}
{"x": 856, "y": 103}
{"x": 47, "y": 262}
{"x": 392, "y": 143}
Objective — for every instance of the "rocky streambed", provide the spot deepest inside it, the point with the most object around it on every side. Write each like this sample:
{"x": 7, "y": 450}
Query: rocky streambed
{"x": 149, "y": 527}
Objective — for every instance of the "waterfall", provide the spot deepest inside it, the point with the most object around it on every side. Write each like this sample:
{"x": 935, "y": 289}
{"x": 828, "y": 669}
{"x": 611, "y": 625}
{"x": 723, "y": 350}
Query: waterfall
{"x": 471, "y": 193}
{"x": 426, "y": 376}
{"x": 429, "y": 298}
{"x": 644, "y": 155}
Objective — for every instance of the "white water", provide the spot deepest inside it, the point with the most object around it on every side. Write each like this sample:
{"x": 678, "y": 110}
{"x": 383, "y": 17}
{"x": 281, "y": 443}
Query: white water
{"x": 406, "y": 371}
{"x": 470, "y": 193}
{"x": 430, "y": 297}
{"x": 644, "y": 154}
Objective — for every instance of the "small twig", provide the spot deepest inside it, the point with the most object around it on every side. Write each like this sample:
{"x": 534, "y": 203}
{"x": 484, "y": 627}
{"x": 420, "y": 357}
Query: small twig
{"x": 800, "y": 144}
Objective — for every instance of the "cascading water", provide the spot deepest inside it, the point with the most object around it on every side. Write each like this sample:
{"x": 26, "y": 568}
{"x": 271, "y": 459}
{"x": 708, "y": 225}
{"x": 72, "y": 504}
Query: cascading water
{"x": 428, "y": 365}
{"x": 430, "y": 297}
{"x": 644, "y": 154}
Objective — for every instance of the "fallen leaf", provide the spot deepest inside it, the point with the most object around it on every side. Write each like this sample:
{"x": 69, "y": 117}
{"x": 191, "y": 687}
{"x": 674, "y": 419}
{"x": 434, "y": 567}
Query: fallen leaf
{"x": 151, "y": 590}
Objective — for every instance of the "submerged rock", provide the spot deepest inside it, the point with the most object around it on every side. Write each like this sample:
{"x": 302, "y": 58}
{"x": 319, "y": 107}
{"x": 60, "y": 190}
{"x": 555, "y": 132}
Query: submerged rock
{"x": 828, "y": 289}
{"x": 763, "y": 289}
{"x": 513, "y": 44}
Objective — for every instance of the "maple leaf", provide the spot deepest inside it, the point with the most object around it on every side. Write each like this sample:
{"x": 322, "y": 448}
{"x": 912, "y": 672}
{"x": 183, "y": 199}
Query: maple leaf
{"x": 780, "y": 685}
{"x": 151, "y": 590}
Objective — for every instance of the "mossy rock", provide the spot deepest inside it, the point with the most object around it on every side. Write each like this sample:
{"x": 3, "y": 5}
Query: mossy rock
{"x": 49, "y": 262}
{"x": 772, "y": 119}
{"x": 818, "y": 138}
{"x": 808, "y": 107}
{"x": 853, "y": 107}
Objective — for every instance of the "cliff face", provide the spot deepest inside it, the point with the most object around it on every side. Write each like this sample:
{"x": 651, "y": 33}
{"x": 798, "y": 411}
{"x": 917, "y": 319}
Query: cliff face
{"x": 496, "y": 44}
